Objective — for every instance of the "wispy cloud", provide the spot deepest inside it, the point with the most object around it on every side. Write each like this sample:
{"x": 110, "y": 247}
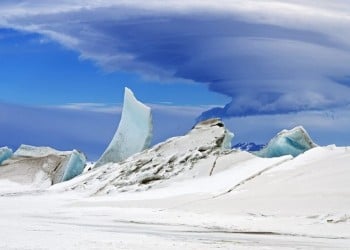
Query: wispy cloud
{"x": 93, "y": 107}
{"x": 270, "y": 57}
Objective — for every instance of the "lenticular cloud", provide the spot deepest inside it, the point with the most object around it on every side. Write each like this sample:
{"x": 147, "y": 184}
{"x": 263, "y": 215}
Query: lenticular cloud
{"x": 287, "y": 58}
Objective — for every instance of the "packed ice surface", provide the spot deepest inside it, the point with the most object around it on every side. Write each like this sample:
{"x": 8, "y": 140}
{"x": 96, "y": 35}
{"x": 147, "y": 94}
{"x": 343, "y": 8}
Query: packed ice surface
{"x": 288, "y": 142}
{"x": 134, "y": 132}
{"x": 41, "y": 167}
{"x": 75, "y": 165}
{"x": 5, "y": 153}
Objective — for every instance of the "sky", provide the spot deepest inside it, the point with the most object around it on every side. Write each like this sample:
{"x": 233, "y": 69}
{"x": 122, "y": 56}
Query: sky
{"x": 261, "y": 66}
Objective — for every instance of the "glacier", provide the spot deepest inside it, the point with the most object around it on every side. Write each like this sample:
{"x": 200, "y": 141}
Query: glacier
{"x": 134, "y": 133}
{"x": 287, "y": 142}
{"x": 5, "y": 153}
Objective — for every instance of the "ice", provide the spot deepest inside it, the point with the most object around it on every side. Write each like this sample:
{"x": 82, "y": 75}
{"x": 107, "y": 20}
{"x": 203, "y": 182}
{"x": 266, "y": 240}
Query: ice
{"x": 5, "y": 153}
{"x": 288, "y": 142}
{"x": 226, "y": 144}
{"x": 75, "y": 165}
{"x": 33, "y": 151}
{"x": 134, "y": 132}
{"x": 41, "y": 167}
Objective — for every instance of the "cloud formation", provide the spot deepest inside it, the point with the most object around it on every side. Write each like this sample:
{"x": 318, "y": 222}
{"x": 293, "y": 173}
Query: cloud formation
{"x": 270, "y": 57}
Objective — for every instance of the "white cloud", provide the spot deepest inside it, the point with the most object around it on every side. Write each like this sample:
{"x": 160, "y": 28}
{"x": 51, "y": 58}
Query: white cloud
{"x": 93, "y": 107}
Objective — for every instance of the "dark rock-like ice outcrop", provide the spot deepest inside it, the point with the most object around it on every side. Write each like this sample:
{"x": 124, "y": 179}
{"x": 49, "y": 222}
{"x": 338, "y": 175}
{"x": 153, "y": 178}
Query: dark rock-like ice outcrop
{"x": 134, "y": 132}
{"x": 287, "y": 142}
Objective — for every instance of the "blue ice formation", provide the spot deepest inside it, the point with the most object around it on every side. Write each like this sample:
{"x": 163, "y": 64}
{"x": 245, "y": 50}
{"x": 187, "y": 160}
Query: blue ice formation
{"x": 226, "y": 144}
{"x": 134, "y": 132}
{"x": 287, "y": 142}
{"x": 72, "y": 162}
{"x": 74, "y": 166}
{"x": 5, "y": 153}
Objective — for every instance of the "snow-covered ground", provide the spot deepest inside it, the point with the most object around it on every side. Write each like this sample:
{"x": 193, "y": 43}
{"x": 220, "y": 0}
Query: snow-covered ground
{"x": 301, "y": 203}
{"x": 188, "y": 193}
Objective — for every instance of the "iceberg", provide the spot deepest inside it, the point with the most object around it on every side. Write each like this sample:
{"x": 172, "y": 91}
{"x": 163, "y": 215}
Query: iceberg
{"x": 5, "y": 153}
{"x": 75, "y": 165}
{"x": 287, "y": 142}
{"x": 134, "y": 133}
{"x": 42, "y": 166}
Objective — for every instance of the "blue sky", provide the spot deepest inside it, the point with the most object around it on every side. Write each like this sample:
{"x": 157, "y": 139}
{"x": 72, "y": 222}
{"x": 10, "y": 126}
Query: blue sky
{"x": 260, "y": 65}
{"x": 38, "y": 71}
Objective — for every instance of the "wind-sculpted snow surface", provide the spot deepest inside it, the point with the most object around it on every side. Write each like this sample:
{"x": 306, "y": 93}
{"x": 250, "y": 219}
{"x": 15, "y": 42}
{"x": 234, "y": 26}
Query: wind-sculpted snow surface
{"x": 134, "y": 132}
{"x": 41, "y": 167}
{"x": 288, "y": 142}
{"x": 5, "y": 153}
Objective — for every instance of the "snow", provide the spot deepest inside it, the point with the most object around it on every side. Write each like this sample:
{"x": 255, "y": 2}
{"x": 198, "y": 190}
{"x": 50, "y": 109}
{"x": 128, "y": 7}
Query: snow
{"x": 299, "y": 203}
{"x": 190, "y": 155}
{"x": 288, "y": 142}
{"x": 5, "y": 153}
{"x": 134, "y": 132}
{"x": 204, "y": 197}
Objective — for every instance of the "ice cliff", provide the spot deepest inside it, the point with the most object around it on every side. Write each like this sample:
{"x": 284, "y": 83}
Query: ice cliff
{"x": 288, "y": 142}
{"x": 134, "y": 132}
